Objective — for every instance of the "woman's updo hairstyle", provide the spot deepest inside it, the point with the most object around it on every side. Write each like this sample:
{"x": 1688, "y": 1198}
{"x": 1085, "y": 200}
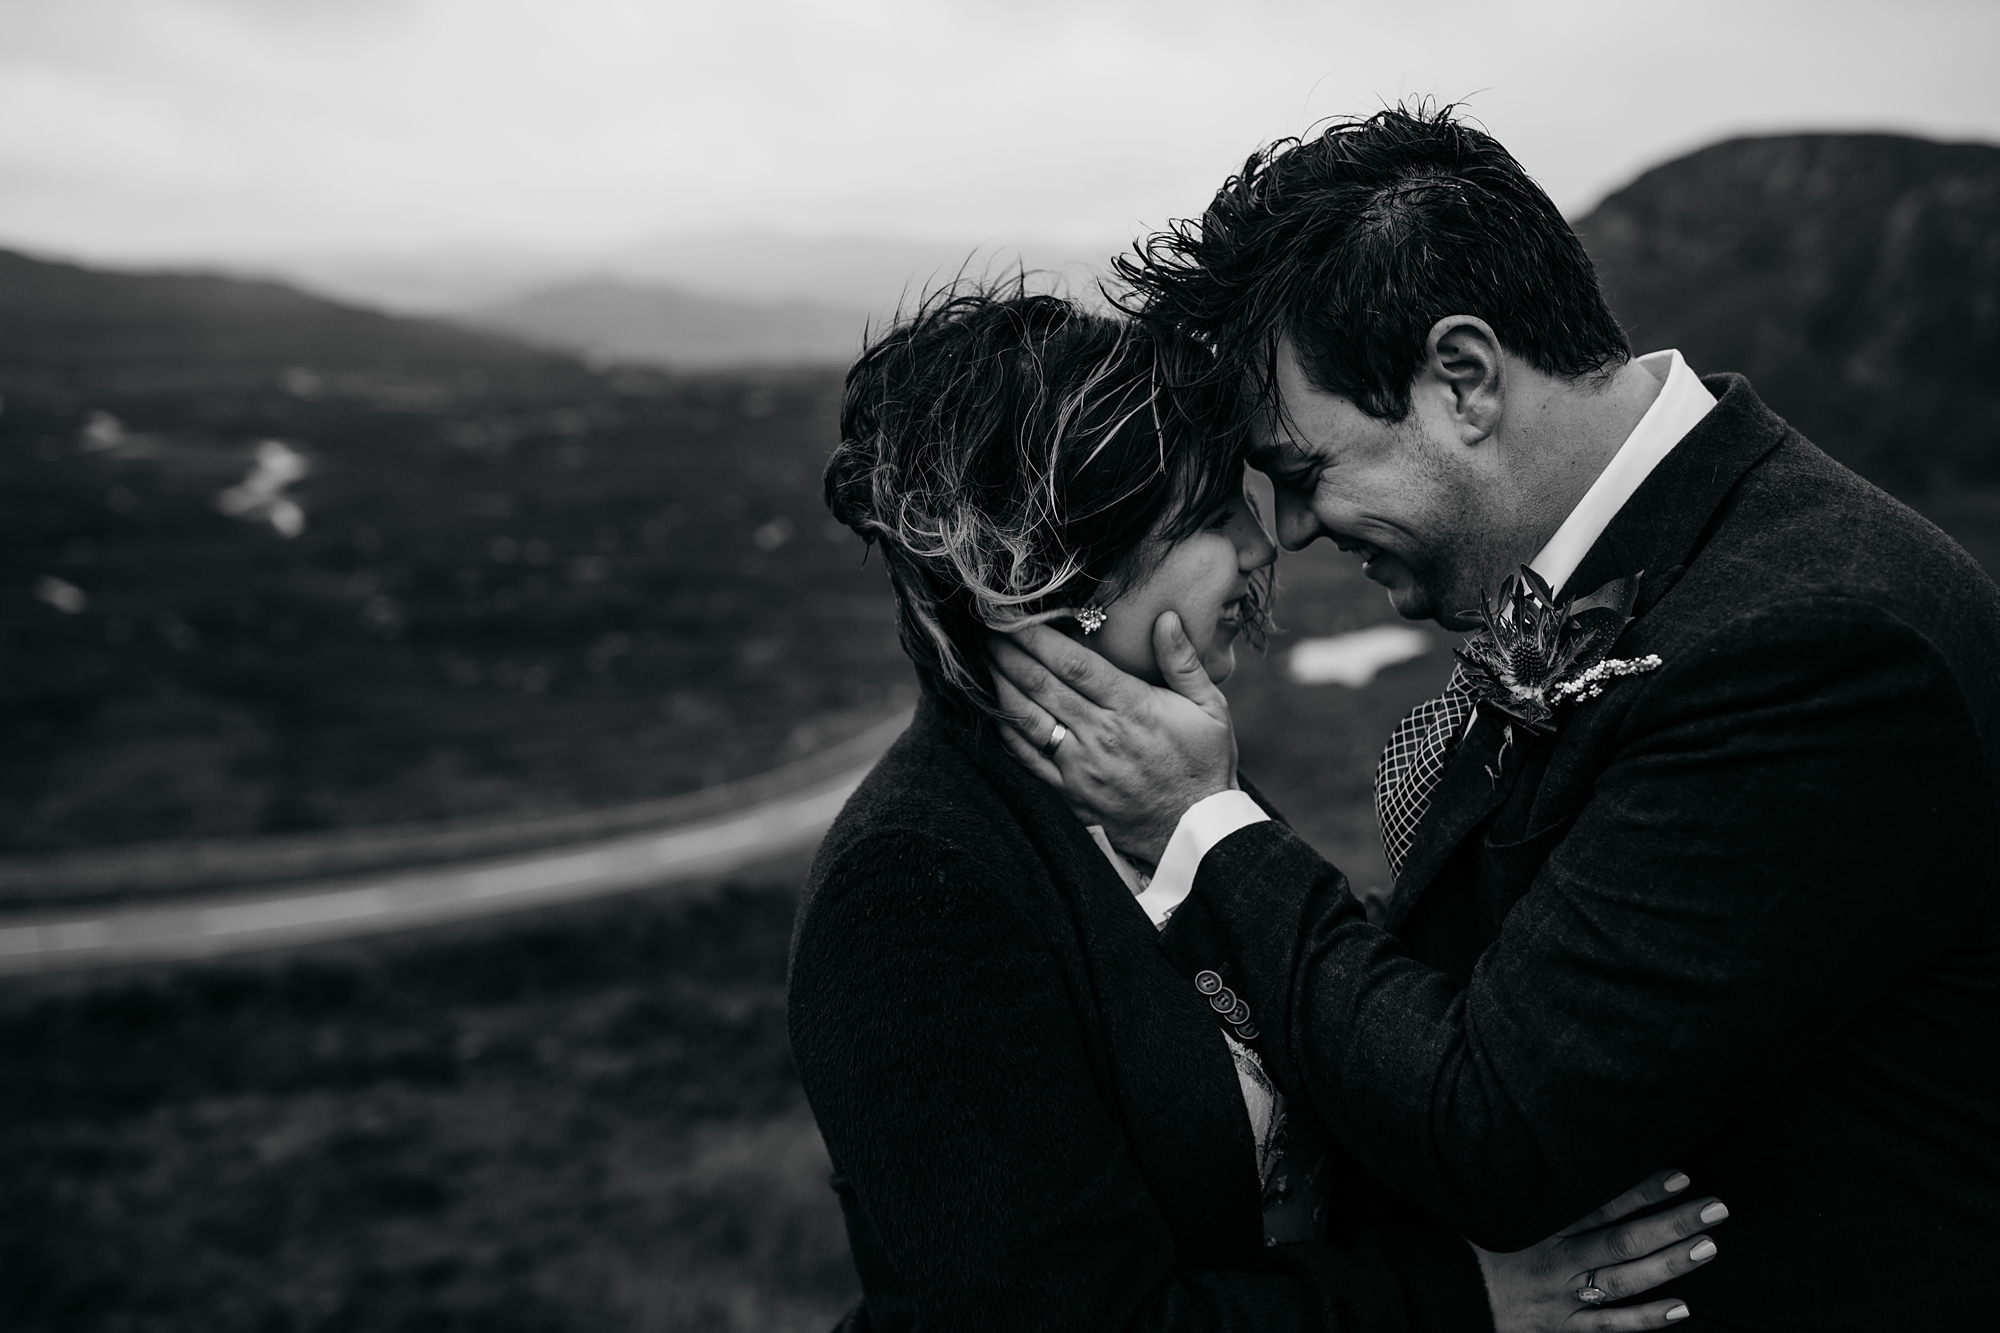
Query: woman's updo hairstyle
{"x": 1010, "y": 454}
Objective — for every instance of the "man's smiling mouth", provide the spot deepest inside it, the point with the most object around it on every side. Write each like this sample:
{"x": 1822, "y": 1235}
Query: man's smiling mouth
{"x": 1363, "y": 549}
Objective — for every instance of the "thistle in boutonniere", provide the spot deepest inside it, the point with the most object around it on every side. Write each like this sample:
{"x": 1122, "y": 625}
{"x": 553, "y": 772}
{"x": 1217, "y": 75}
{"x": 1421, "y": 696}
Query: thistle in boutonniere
{"x": 1534, "y": 652}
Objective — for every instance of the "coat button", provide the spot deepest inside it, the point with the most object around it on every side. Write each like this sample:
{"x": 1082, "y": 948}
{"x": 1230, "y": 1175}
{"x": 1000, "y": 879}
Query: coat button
{"x": 1208, "y": 983}
{"x": 1240, "y": 1014}
{"x": 1248, "y": 1031}
{"x": 1223, "y": 1000}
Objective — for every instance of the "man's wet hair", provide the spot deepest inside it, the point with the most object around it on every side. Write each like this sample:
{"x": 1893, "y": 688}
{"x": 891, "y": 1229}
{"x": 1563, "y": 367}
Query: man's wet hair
{"x": 1355, "y": 241}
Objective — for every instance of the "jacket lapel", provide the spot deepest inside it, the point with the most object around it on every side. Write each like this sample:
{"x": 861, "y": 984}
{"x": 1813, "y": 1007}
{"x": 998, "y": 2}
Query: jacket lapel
{"x": 1476, "y": 780}
{"x": 1657, "y": 532}
{"x": 1170, "y": 1069}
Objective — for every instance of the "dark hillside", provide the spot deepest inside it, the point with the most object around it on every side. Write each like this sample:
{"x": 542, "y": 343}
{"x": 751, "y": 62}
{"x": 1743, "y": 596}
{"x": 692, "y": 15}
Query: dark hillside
{"x": 582, "y": 1120}
{"x": 67, "y": 327}
{"x": 1855, "y": 278}
{"x": 509, "y": 583}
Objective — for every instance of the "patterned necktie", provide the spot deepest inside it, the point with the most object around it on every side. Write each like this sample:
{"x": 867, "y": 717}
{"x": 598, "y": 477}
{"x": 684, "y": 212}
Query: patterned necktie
{"x": 1412, "y": 764}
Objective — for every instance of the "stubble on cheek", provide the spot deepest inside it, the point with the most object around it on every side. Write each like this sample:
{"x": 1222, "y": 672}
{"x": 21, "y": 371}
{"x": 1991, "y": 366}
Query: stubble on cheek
{"x": 1447, "y": 572}
{"x": 1435, "y": 591}
{"x": 1463, "y": 586}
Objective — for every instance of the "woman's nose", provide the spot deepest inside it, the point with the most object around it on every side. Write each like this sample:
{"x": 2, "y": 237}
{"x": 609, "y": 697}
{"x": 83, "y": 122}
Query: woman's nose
{"x": 1297, "y": 524}
{"x": 1255, "y": 550}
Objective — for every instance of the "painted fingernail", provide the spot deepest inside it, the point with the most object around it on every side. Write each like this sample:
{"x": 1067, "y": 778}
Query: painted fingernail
{"x": 1703, "y": 1249}
{"x": 1677, "y": 1182}
{"x": 1715, "y": 1212}
{"x": 1678, "y": 1312}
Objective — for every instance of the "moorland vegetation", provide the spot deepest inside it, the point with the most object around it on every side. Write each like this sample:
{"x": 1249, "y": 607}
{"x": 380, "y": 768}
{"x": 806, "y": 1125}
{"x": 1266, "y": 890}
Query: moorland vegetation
{"x": 523, "y": 583}
{"x": 519, "y": 583}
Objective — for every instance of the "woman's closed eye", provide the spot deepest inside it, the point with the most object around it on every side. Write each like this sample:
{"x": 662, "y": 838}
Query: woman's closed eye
{"x": 1238, "y": 506}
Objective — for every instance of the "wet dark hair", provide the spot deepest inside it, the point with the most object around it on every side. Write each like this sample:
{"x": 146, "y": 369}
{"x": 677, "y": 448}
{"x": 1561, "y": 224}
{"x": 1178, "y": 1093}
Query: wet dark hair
{"x": 1357, "y": 241}
{"x": 1011, "y": 454}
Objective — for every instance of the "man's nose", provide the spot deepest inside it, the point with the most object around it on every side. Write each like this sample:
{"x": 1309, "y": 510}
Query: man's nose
{"x": 1297, "y": 524}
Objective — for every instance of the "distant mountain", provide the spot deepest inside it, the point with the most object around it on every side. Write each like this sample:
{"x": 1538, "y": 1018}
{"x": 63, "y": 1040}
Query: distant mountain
{"x": 1855, "y": 278}
{"x": 608, "y": 321}
{"x": 422, "y": 282}
{"x": 873, "y": 273}
{"x": 81, "y": 327}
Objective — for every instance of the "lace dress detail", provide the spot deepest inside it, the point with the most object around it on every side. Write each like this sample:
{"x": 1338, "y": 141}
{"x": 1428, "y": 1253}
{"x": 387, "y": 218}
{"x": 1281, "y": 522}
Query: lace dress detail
{"x": 1266, "y": 1106}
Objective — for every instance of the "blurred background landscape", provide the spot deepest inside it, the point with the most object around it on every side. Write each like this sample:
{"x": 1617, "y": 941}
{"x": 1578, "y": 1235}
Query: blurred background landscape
{"x": 357, "y": 537}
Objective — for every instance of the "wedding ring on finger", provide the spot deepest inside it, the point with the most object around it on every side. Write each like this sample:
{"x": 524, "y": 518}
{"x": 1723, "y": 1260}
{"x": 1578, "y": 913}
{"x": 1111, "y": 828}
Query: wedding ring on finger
{"x": 1055, "y": 738}
{"x": 1590, "y": 1293}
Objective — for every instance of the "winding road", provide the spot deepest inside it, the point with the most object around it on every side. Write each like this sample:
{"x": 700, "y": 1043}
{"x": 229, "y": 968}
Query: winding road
{"x": 242, "y": 920}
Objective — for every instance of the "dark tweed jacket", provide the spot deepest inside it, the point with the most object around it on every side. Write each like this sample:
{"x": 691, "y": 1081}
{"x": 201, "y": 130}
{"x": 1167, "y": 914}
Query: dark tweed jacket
{"x": 1034, "y": 1120}
{"x": 1740, "y": 915}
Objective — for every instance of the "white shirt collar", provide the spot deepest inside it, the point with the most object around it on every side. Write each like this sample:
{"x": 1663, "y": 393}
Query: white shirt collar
{"x": 1158, "y": 905}
{"x": 1683, "y": 401}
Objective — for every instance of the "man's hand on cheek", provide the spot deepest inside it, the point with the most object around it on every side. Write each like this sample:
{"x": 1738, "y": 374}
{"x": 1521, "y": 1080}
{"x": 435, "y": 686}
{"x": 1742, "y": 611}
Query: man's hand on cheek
{"x": 1135, "y": 755}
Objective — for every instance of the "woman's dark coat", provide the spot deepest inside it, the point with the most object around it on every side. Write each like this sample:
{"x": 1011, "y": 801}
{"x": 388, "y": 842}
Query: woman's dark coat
{"x": 1034, "y": 1119}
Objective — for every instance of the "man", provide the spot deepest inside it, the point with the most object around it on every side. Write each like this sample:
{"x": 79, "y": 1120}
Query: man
{"x": 1730, "y": 901}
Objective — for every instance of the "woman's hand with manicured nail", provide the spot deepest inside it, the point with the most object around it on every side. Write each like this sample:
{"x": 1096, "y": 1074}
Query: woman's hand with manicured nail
{"x": 1611, "y": 1251}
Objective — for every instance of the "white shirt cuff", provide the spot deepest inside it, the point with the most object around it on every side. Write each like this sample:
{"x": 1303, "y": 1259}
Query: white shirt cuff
{"x": 1207, "y": 822}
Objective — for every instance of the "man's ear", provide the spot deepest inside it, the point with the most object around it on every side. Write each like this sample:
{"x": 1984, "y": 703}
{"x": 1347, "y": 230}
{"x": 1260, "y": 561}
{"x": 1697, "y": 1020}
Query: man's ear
{"x": 1463, "y": 356}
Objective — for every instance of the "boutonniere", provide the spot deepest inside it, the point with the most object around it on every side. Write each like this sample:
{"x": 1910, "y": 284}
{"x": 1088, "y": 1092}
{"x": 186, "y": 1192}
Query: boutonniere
{"x": 1535, "y": 653}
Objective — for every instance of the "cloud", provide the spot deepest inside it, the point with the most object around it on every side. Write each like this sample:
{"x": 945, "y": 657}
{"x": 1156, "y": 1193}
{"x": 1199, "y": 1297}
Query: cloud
{"x": 220, "y": 128}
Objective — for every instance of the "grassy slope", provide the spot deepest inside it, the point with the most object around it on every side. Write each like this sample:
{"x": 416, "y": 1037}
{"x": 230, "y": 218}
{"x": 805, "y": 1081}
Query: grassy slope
{"x": 579, "y": 1121}
{"x": 585, "y": 1119}
{"x": 521, "y": 585}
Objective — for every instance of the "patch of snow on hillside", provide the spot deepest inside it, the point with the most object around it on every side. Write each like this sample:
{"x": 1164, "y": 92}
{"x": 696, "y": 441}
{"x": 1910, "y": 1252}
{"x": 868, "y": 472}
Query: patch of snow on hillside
{"x": 1354, "y": 659}
{"x": 260, "y": 496}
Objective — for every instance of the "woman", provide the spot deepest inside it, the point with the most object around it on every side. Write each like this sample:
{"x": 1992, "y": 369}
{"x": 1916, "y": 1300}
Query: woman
{"x": 1036, "y": 1123}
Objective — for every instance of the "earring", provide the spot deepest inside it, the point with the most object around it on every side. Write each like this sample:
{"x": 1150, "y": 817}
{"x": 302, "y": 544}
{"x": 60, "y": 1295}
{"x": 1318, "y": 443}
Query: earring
{"x": 1091, "y": 618}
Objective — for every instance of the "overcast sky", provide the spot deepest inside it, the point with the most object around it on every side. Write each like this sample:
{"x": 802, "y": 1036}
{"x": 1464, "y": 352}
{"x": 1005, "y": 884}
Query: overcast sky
{"x": 233, "y": 129}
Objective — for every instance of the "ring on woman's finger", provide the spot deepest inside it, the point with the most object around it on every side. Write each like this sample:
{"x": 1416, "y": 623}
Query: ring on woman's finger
{"x": 1590, "y": 1293}
{"x": 1055, "y": 738}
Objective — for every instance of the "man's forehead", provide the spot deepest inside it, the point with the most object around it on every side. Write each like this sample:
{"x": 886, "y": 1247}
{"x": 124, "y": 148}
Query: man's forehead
{"x": 1272, "y": 439}
{"x": 1272, "y": 443}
